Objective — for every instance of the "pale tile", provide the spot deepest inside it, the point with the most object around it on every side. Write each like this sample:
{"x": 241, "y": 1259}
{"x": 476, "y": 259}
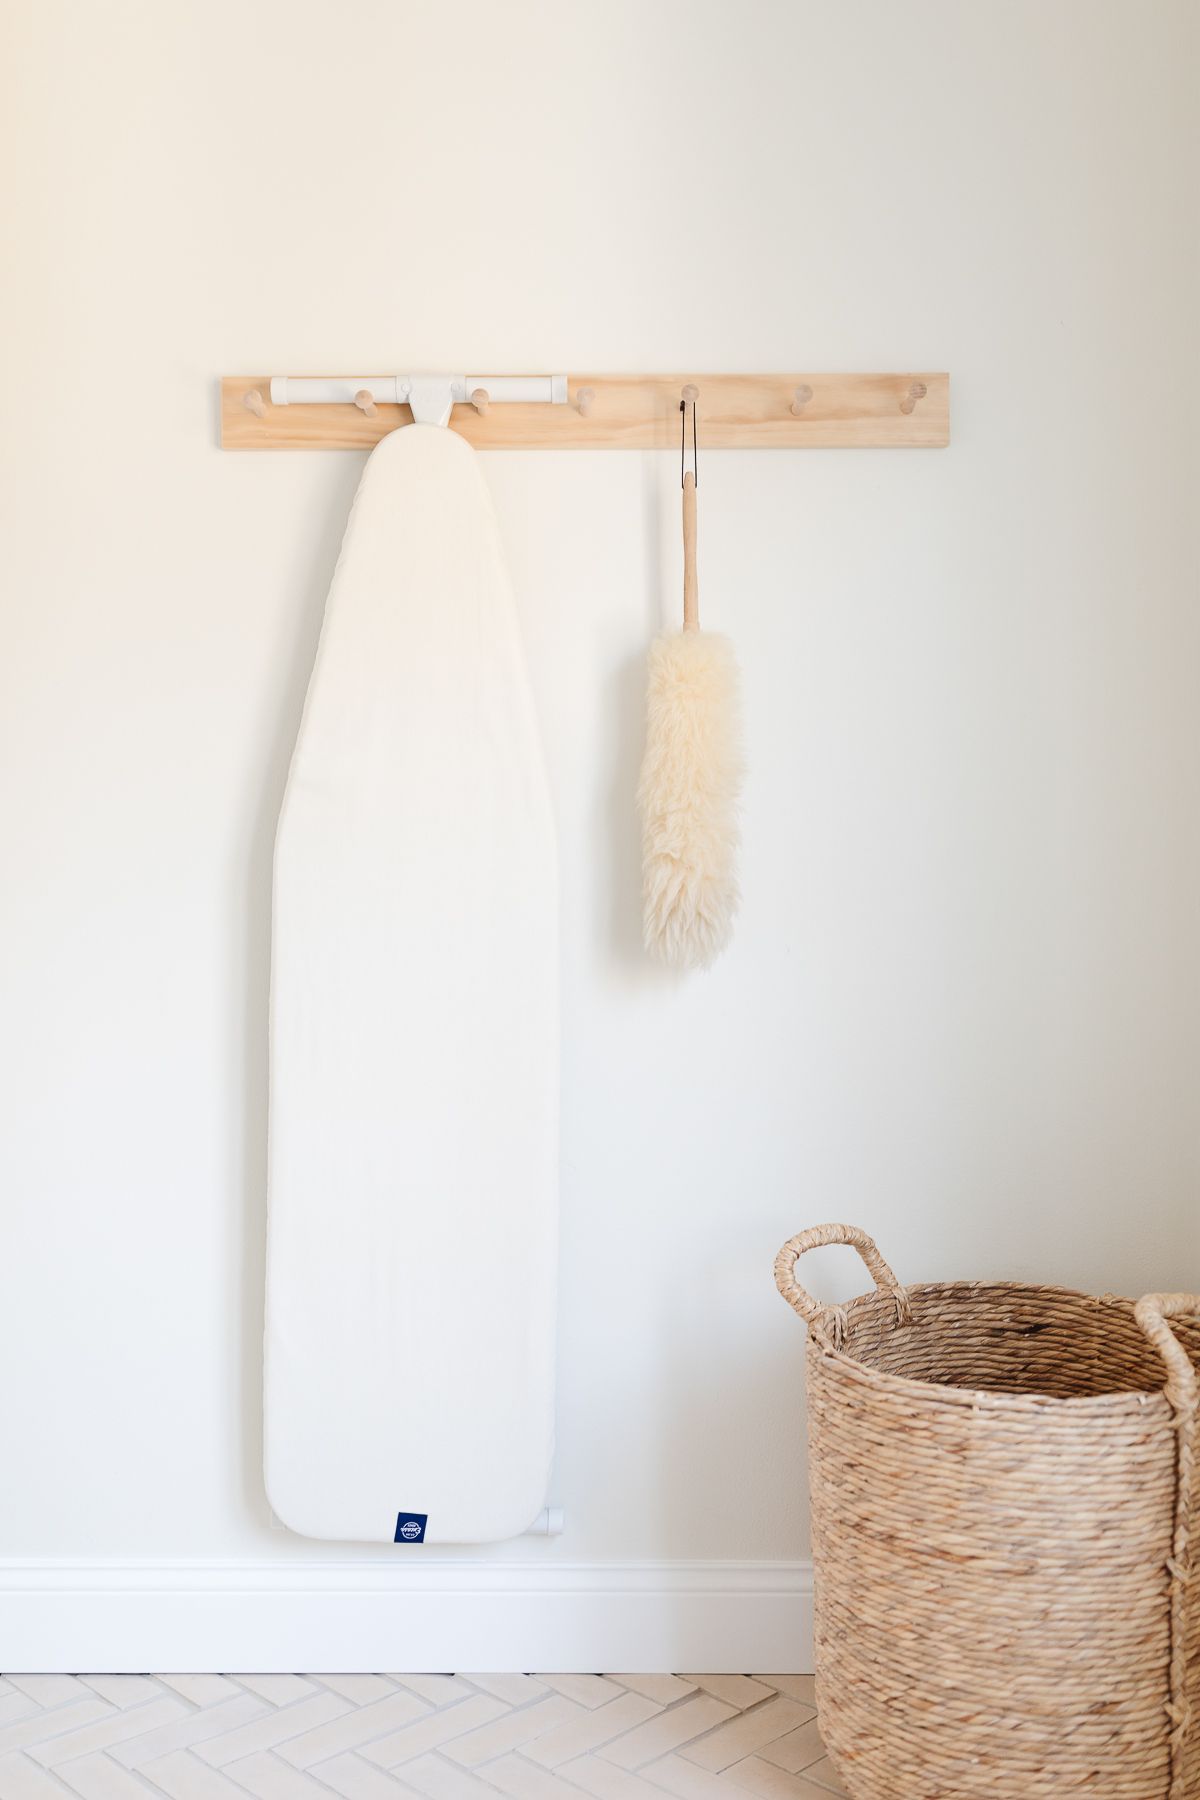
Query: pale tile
{"x": 183, "y": 1778}
{"x": 124, "y": 1690}
{"x": 770, "y": 1782}
{"x": 436, "y": 1736}
{"x": 585, "y": 1690}
{"x": 361, "y": 1725}
{"x": 280, "y": 1727}
{"x": 360, "y": 1690}
{"x": 664, "y": 1688}
{"x": 103, "y": 1734}
{"x": 522, "y": 1779}
{"x": 50, "y": 1690}
{"x": 736, "y": 1690}
{"x": 195, "y": 1729}
{"x": 203, "y": 1690}
{"x": 15, "y": 1707}
{"x": 438, "y": 1728}
{"x": 825, "y": 1775}
{"x": 671, "y": 1775}
{"x": 798, "y": 1749}
{"x": 100, "y": 1778}
{"x": 743, "y": 1736}
{"x": 514, "y": 1690}
{"x": 21, "y": 1779}
{"x": 797, "y": 1687}
{"x": 667, "y": 1732}
{"x": 438, "y": 1780}
{"x": 277, "y": 1690}
{"x": 264, "y": 1775}
{"x": 439, "y": 1690}
{"x": 45, "y": 1725}
{"x": 355, "y": 1779}
{"x": 606, "y": 1782}
{"x": 600, "y": 1726}
{"x": 510, "y": 1732}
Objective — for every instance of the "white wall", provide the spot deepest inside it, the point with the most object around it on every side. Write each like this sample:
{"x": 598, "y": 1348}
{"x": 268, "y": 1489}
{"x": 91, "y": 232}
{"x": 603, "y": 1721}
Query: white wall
{"x": 963, "y": 1007}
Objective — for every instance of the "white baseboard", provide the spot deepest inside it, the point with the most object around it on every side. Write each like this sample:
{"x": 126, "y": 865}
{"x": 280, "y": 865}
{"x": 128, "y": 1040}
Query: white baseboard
{"x": 201, "y": 1616}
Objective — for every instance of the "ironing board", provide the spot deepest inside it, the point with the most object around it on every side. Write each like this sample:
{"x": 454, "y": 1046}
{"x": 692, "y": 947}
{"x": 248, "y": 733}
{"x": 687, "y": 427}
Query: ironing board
{"x": 412, "y": 1187}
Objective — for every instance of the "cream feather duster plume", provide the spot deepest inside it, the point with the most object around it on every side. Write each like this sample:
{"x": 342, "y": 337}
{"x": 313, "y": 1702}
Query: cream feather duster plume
{"x": 690, "y": 782}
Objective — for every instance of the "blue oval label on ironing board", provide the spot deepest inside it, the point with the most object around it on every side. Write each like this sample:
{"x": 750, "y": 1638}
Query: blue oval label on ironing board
{"x": 410, "y": 1528}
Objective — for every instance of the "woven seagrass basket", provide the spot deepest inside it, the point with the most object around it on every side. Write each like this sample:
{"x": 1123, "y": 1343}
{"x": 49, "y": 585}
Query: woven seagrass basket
{"x": 1003, "y": 1499}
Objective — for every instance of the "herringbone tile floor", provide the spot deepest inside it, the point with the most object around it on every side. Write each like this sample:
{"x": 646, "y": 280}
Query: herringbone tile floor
{"x": 441, "y": 1737}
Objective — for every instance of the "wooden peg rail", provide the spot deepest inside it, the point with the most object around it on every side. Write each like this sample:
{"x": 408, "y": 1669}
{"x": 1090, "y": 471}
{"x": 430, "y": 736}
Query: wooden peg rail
{"x": 628, "y": 412}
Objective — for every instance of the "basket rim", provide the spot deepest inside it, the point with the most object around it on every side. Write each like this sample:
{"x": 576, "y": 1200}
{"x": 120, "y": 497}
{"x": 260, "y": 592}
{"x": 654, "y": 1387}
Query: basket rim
{"x": 992, "y": 1399}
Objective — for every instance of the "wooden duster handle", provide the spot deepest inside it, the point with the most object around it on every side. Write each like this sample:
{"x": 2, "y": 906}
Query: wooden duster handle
{"x": 691, "y": 591}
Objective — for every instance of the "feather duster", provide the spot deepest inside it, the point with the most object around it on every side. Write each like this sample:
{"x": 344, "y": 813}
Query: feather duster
{"x": 691, "y": 772}
{"x": 691, "y": 777}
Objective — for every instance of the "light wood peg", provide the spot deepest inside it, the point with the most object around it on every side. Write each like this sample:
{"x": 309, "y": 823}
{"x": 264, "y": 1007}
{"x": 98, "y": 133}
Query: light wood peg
{"x": 599, "y": 411}
{"x": 365, "y": 402}
{"x": 480, "y": 401}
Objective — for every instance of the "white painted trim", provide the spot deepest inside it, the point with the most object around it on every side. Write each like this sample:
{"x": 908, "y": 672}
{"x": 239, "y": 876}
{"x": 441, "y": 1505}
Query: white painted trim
{"x": 119, "y": 1617}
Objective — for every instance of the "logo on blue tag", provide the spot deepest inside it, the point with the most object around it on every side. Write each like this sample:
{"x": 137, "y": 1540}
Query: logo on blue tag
{"x": 410, "y": 1528}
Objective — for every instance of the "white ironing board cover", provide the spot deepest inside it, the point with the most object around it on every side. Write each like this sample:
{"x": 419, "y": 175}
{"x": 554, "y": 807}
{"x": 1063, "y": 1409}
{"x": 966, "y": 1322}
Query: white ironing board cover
{"x": 413, "y": 1157}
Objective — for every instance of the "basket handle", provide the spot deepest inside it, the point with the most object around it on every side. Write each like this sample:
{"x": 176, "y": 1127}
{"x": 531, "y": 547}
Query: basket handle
{"x": 1152, "y": 1312}
{"x": 1182, "y": 1390}
{"x": 828, "y": 1323}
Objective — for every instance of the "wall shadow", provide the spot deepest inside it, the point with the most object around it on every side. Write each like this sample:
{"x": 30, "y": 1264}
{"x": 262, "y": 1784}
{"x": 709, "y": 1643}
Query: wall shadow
{"x": 288, "y": 702}
{"x": 626, "y": 706}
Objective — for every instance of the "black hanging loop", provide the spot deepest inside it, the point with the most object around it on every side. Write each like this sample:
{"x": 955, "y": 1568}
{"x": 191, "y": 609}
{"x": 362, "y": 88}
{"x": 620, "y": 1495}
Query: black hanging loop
{"x": 690, "y": 397}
